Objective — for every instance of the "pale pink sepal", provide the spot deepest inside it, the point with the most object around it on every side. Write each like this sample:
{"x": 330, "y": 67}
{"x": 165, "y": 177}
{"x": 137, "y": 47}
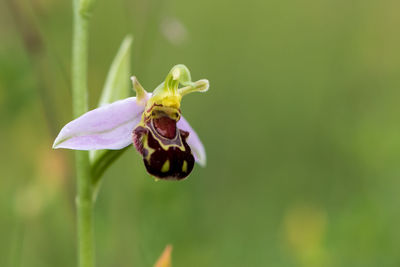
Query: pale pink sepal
{"x": 107, "y": 127}
{"x": 194, "y": 142}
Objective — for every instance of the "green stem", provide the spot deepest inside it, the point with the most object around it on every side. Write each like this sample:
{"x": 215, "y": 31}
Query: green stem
{"x": 84, "y": 200}
{"x": 85, "y": 204}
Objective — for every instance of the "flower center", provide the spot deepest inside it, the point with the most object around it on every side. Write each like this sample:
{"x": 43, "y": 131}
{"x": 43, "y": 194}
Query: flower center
{"x": 165, "y": 126}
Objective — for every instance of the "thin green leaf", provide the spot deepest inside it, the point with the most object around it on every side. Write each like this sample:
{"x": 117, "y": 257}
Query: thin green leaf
{"x": 116, "y": 87}
{"x": 103, "y": 161}
{"x": 117, "y": 84}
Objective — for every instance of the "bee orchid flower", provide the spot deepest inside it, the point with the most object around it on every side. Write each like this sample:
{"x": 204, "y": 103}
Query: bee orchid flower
{"x": 152, "y": 122}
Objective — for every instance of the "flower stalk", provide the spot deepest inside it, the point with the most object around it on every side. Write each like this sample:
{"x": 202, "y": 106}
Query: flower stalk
{"x": 84, "y": 199}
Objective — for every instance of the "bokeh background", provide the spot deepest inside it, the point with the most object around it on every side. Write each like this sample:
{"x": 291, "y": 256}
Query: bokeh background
{"x": 301, "y": 127}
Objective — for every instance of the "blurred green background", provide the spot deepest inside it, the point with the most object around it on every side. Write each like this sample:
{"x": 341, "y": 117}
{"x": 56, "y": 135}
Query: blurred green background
{"x": 301, "y": 128}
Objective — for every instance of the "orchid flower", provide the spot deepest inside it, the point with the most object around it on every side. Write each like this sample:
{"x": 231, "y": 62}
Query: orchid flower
{"x": 151, "y": 121}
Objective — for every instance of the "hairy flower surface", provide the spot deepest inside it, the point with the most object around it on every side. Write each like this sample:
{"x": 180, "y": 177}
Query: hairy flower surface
{"x": 151, "y": 121}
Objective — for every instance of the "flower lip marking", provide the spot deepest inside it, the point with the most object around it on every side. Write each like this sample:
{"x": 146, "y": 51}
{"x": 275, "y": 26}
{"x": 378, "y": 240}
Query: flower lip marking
{"x": 164, "y": 120}
{"x": 165, "y": 126}
{"x": 157, "y": 151}
{"x": 162, "y": 145}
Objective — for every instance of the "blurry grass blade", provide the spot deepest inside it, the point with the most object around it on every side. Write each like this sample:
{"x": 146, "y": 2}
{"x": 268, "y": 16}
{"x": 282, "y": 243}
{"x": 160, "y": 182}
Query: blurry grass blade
{"x": 117, "y": 82}
{"x": 116, "y": 87}
{"x": 165, "y": 258}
